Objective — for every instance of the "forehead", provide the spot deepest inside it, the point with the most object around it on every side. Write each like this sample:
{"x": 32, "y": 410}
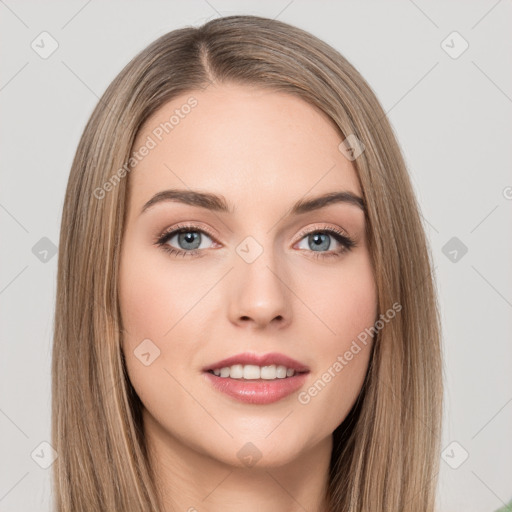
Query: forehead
{"x": 246, "y": 142}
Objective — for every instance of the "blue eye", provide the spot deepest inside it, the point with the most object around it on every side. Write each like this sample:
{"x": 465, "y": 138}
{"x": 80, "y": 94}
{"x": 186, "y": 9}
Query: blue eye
{"x": 190, "y": 241}
{"x": 319, "y": 242}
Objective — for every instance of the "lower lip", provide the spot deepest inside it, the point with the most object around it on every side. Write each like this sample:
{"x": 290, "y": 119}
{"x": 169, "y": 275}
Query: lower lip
{"x": 257, "y": 391}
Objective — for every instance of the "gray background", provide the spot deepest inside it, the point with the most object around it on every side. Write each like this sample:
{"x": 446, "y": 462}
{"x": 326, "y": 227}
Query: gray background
{"x": 452, "y": 118}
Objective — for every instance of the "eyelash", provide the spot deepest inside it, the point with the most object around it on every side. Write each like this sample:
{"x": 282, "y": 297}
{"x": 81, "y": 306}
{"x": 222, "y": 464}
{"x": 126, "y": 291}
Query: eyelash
{"x": 347, "y": 242}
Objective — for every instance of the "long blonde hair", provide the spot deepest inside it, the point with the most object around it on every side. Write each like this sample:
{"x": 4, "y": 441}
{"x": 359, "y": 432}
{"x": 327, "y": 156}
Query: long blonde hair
{"x": 386, "y": 451}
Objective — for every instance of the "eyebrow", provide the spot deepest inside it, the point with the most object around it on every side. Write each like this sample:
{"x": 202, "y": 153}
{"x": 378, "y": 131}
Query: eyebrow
{"x": 218, "y": 203}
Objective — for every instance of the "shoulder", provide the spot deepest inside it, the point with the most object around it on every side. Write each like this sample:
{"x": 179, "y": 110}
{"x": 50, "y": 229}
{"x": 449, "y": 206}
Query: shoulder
{"x": 506, "y": 508}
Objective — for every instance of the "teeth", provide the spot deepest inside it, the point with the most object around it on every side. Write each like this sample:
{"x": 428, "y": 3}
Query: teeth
{"x": 251, "y": 372}
{"x": 269, "y": 372}
{"x": 281, "y": 372}
{"x": 236, "y": 371}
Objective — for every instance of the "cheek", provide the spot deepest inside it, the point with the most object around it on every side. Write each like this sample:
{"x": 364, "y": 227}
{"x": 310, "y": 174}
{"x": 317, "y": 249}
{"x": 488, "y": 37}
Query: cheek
{"x": 164, "y": 303}
{"x": 348, "y": 311}
{"x": 155, "y": 295}
{"x": 342, "y": 300}
{"x": 154, "y": 307}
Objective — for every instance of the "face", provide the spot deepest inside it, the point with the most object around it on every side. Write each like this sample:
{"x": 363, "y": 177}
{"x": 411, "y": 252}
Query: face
{"x": 247, "y": 275}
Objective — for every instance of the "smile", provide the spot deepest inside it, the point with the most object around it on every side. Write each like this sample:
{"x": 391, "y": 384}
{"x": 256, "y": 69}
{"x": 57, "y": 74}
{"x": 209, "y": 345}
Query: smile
{"x": 254, "y": 372}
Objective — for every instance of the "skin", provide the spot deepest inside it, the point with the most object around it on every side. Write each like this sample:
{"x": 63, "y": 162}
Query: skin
{"x": 262, "y": 151}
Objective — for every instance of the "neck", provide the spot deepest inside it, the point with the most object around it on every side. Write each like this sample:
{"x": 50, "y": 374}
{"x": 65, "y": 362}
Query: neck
{"x": 192, "y": 481}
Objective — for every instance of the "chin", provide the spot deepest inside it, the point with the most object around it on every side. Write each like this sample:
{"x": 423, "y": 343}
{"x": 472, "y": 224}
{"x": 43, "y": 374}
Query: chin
{"x": 253, "y": 452}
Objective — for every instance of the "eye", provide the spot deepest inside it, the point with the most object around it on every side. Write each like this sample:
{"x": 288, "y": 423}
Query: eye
{"x": 320, "y": 240}
{"x": 188, "y": 239}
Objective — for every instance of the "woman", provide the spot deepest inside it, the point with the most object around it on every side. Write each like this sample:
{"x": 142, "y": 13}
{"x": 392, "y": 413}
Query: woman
{"x": 246, "y": 313}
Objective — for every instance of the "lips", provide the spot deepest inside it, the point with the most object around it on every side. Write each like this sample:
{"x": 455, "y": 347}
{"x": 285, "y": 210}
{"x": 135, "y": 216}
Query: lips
{"x": 257, "y": 391}
{"x": 273, "y": 358}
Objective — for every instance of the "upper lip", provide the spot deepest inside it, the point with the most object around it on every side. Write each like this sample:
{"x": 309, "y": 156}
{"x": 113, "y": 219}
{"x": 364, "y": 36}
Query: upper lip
{"x": 259, "y": 360}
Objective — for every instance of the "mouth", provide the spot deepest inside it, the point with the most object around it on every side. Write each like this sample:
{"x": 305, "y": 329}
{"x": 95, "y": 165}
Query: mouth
{"x": 257, "y": 379}
{"x": 270, "y": 366}
{"x": 254, "y": 372}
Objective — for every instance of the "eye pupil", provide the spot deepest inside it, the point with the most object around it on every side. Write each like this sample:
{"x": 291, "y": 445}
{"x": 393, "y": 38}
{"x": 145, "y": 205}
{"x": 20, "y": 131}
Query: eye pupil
{"x": 320, "y": 242}
{"x": 189, "y": 237}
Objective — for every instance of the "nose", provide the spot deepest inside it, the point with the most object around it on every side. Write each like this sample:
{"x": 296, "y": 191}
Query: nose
{"x": 259, "y": 293}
